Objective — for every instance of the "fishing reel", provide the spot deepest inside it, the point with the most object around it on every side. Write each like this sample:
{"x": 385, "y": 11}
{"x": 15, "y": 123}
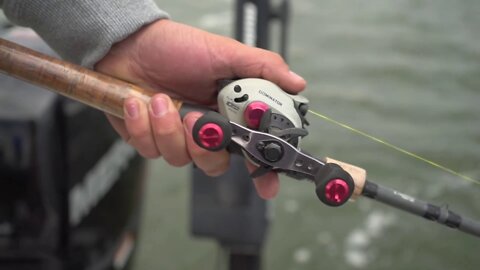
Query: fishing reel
{"x": 267, "y": 125}
{"x": 261, "y": 105}
{"x": 257, "y": 104}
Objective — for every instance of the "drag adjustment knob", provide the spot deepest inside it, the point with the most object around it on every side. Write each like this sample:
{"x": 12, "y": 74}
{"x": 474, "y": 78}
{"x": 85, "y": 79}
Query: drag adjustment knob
{"x": 334, "y": 186}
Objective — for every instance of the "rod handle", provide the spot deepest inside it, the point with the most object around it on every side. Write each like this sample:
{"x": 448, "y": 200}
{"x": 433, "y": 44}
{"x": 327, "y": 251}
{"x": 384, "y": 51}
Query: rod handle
{"x": 73, "y": 81}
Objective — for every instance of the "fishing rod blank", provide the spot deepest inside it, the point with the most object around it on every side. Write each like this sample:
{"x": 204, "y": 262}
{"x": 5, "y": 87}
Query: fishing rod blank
{"x": 440, "y": 214}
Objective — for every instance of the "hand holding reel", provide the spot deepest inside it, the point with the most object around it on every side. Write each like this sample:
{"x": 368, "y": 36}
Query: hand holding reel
{"x": 269, "y": 135}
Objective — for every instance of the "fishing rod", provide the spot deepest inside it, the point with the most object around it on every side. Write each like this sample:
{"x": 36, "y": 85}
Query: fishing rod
{"x": 264, "y": 125}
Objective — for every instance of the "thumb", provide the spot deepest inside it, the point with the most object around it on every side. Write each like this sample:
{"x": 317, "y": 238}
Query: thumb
{"x": 258, "y": 63}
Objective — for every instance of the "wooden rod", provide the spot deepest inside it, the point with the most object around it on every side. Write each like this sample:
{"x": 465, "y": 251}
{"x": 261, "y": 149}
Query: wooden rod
{"x": 84, "y": 85}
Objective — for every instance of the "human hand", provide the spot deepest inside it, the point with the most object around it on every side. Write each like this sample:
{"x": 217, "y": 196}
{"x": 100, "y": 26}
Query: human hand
{"x": 186, "y": 63}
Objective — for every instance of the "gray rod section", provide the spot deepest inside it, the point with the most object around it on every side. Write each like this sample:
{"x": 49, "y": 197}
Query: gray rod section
{"x": 440, "y": 214}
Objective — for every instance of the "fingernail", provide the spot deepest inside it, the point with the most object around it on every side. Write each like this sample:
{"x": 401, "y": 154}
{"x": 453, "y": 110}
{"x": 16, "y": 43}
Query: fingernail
{"x": 296, "y": 76}
{"x": 131, "y": 108}
{"x": 159, "y": 105}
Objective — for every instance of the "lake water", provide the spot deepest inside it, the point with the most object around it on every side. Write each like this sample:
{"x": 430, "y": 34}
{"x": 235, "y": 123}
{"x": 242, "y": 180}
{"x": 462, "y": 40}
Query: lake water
{"x": 405, "y": 71}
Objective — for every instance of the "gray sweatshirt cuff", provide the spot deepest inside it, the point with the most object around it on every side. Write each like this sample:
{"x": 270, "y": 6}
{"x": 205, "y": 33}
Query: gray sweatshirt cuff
{"x": 83, "y": 31}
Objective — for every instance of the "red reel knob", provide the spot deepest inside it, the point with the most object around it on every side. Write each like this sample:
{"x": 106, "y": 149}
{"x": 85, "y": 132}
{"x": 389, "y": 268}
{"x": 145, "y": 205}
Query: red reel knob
{"x": 337, "y": 191}
{"x": 254, "y": 112}
{"x": 210, "y": 135}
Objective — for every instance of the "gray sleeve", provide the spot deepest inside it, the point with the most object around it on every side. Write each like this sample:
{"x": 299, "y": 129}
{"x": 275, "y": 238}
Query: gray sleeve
{"x": 82, "y": 31}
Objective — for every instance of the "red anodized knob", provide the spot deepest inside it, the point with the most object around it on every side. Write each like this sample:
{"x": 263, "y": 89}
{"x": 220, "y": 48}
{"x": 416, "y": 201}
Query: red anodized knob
{"x": 337, "y": 191}
{"x": 254, "y": 112}
{"x": 210, "y": 135}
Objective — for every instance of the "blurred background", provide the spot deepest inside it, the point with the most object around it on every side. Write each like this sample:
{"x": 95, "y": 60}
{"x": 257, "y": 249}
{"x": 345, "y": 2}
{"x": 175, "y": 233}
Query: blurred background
{"x": 405, "y": 71}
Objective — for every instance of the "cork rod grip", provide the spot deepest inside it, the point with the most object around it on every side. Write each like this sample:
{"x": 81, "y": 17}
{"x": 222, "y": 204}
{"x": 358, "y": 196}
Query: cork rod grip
{"x": 358, "y": 174}
{"x": 84, "y": 85}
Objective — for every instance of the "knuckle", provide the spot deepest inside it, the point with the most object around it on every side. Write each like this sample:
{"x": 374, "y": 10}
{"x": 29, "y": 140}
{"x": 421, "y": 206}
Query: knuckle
{"x": 167, "y": 126}
{"x": 137, "y": 133}
{"x": 166, "y": 131}
{"x": 177, "y": 161}
{"x": 214, "y": 172}
{"x": 198, "y": 153}
{"x": 144, "y": 149}
{"x": 275, "y": 56}
{"x": 149, "y": 154}
{"x": 129, "y": 139}
{"x": 215, "y": 168}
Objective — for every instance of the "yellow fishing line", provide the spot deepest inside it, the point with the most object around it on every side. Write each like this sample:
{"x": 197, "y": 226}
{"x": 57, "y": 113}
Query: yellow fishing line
{"x": 394, "y": 147}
